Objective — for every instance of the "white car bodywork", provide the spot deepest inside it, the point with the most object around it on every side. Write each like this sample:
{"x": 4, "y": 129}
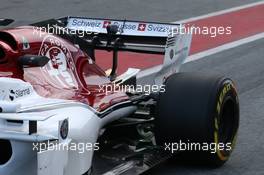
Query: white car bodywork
{"x": 84, "y": 128}
{"x": 85, "y": 124}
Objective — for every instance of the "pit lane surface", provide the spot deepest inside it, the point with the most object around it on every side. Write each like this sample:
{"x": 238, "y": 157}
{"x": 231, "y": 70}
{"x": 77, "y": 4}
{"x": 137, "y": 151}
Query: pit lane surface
{"x": 244, "y": 64}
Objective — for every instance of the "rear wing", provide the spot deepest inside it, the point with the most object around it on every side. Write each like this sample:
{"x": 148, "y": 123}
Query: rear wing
{"x": 144, "y": 37}
{"x": 137, "y": 36}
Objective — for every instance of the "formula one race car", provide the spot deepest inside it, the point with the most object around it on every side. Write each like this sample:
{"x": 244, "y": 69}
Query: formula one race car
{"x": 61, "y": 114}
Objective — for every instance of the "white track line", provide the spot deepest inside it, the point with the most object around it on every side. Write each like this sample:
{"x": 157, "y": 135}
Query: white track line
{"x": 200, "y": 55}
{"x": 224, "y": 47}
{"x": 215, "y": 50}
{"x": 220, "y": 12}
{"x": 228, "y": 45}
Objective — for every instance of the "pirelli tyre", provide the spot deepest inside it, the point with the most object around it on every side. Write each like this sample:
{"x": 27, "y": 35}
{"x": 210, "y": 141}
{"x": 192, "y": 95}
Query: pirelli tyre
{"x": 198, "y": 118}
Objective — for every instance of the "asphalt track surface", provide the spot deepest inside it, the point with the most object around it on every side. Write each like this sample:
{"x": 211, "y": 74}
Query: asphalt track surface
{"x": 244, "y": 64}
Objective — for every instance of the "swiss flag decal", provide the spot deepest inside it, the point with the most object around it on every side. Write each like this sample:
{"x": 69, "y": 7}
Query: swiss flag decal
{"x": 141, "y": 27}
{"x": 106, "y": 23}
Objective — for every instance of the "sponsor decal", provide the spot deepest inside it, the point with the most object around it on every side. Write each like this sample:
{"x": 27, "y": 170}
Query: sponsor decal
{"x": 158, "y": 28}
{"x": 61, "y": 66}
{"x": 142, "y": 27}
{"x": 228, "y": 86}
{"x": 125, "y": 27}
{"x": 224, "y": 91}
{"x": 106, "y": 23}
{"x": 13, "y": 94}
{"x": 25, "y": 43}
{"x": 64, "y": 129}
{"x": 85, "y": 23}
